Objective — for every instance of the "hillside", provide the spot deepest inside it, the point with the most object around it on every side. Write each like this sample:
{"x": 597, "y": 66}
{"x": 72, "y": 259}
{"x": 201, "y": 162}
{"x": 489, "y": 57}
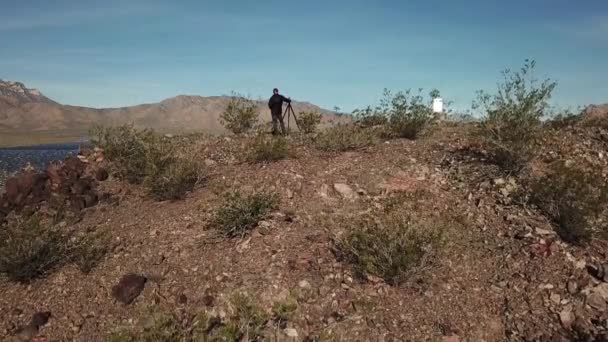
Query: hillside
{"x": 26, "y": 112}
{"x": 501, "y": 272}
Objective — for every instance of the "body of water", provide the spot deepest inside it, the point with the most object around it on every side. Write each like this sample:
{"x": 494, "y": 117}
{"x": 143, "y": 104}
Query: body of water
{"x": 15, "y": 158}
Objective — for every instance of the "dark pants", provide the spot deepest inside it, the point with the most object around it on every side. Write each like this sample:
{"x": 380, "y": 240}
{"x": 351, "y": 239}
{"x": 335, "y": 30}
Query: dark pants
{"x": 277, "y": 118}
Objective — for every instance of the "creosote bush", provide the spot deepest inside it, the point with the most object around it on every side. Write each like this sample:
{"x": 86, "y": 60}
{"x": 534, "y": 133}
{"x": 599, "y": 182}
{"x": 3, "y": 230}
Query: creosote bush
{"x": 512, "y": 117}
{"x": 574, "y": 199}
{"x": 269, "y": 148}
{"x": 148, "y": 158}
{"x": 404, "y": 114}
{"x": 308, "y": 121}
{"x": 240, "y": 115}
{"x": 343, "y": 137}
{"x": 389, "y": 245}
{"x": 239, "y": 213}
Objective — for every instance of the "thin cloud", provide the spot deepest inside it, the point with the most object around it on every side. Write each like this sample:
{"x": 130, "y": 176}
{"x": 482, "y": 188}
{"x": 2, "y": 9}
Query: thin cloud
{"x": 594, "y": 28}
{"x": 29, "y": 21}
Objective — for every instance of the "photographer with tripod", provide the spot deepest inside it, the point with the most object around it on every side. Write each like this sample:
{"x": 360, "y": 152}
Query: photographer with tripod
{"x": 276, "y": 110}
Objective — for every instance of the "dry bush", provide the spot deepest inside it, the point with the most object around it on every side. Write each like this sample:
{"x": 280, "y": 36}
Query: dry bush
{"x": 240, "y": 115}
{"x": 239, "y": 213}
{"x": 269, "y": 148}
{"x": 389, "y": 245}
{"x": 308, "y": 121}
{"x": 341, "y": 138}
{"x": 574, "y": 199}
{"x": 175, "y": 180}
{"x": 512, "y": 117}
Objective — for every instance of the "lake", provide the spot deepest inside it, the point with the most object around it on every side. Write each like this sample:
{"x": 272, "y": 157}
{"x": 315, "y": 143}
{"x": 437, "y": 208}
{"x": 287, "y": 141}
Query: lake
{"x": 14, "y": 158}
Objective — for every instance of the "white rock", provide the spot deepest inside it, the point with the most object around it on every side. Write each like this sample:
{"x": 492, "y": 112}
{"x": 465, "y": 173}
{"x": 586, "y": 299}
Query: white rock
{"x": 567, "y": 317}
{"x": 304, "y": 284}
{"x": 345, "y": 191}
{"x": 291, "y": 332}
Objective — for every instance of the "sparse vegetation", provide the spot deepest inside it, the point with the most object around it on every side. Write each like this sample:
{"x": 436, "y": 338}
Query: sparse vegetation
{"x": 283, "y": 311}
{"x": 143, "y": 156}
{"x": 29, "y": 250}
{"x": 308, "y": 121}
{"x": 246, "y": 322}
{"x": 573, "y": 198}
{"x": 269, "y": 148}
{"x": 388, "y": 245}
{"x": 513, "y": 116}
{"x": 239, "y": 213}
{"x": 405, "y": 115}
{"x": 341, "y": 138}
{"x": 240, "y": 115}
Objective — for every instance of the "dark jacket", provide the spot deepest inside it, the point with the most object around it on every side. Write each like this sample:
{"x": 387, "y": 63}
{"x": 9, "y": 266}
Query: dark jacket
{"x": 276, "y": 103}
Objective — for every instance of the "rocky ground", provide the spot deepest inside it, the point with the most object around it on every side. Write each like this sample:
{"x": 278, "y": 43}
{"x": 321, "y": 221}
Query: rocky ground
{"x": 502, "y": 275}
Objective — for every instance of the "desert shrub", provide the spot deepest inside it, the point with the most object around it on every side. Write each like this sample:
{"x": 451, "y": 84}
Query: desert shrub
{"x": 29, "y": 250}
{"x": 308, "y": 121}
{"x": 512, "y": 116}
{"x": 176, "y": 179}
{"x": 405, "y": 114}
{"x": 240, "y": 114}
{"x": 89, "y": 250}
{"x": 247, "y": 319}
{"x": 144, "y": 156}
{"x": 269, "y": 148}
{"x": 344, "y": 138}
{"x": 573, "y": 198}
{"x": 387, "y": 245}
{"x": 240, "y": 213}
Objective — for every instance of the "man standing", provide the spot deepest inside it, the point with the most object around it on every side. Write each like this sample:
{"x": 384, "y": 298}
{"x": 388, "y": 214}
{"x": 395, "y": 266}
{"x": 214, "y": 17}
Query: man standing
{"x": 276, "y": 110}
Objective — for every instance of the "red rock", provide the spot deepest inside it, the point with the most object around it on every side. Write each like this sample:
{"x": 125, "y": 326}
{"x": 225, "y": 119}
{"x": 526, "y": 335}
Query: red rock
{"x": 128, "y": 288}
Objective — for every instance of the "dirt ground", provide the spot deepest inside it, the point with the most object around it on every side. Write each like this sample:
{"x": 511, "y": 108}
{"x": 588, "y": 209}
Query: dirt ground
{"x": 502, "y": 275}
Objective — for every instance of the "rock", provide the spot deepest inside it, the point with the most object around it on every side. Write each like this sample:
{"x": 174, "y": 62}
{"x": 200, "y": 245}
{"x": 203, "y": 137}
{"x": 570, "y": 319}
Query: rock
{"x": 26, "y": 333}
{"x": 291, "y": 332}
{"x": 209, "y": 300}
{"x": 602, "y": 290}
{"x": 453, "y": 338}
{"x": 555, "y": 298}
{"x": 128, "y": 288}
{"x": 289, "y": 193}
{"x": 101, "y": 174}
{"x": 566, "y": 316}
{"x": 572, "y": 286}
{"x": 599, "y": 272}
{"x": 345, "y": 191}
{"x": 182, "y": 299}
{"x": 40, "y": 319}
{"x": 596, "y": 301}
{"x": 210, "y": 162}
{"x": 80, "y": 187}
{"x": 500, "y": 181}
{"x": 544, "y": 232}
{"x": 304, "y": 284}
{"x": 90, "y": 199}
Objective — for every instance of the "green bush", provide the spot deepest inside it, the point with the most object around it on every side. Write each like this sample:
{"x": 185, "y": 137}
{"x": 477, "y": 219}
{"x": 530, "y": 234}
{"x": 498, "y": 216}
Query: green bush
{"x": 387, "y": 245}
{"x": 144, "y": 156}
{"x": 240, "y": 115}
{"x": 308, "y": 121}
{"x": 512, "y": 116}
{"x": 29, "y": 250}
{"x": 89, "y": 250}
{"x": 269, "y": 148}
{"x": 573, "y": 199}
{"x": 406, "y": 115}
{"x": 240, "y": 213}
{"x": 341, "y": 138}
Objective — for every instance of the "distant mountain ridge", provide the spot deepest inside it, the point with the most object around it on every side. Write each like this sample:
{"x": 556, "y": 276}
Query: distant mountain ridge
{"x": 24, "y": 109}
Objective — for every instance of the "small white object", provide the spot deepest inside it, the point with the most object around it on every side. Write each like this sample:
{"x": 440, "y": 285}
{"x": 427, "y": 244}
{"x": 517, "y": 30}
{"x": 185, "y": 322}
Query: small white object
{"x": 438, "y": 105}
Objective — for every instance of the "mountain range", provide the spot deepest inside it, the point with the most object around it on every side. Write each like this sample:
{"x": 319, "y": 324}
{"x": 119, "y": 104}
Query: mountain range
{"x": 29, "y": 111}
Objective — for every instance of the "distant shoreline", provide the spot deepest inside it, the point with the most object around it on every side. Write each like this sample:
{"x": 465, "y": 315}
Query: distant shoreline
{"x": 12, "y": 139}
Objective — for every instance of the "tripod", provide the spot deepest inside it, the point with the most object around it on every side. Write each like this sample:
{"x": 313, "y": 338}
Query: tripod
{"x": 289, "y": 112}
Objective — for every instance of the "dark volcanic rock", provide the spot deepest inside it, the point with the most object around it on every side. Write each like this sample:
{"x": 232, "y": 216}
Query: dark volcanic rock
{"x": 40, "y": 318}
{"x": 101, "y": 174}
{"x": 128, "y": 288}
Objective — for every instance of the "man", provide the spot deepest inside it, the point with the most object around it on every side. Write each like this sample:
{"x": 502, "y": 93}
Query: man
{"x": 276, "y": 110}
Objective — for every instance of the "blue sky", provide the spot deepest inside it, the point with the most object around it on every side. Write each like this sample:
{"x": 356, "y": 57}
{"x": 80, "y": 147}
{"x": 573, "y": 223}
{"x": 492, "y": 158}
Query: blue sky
{"x": 332, "y": 53}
